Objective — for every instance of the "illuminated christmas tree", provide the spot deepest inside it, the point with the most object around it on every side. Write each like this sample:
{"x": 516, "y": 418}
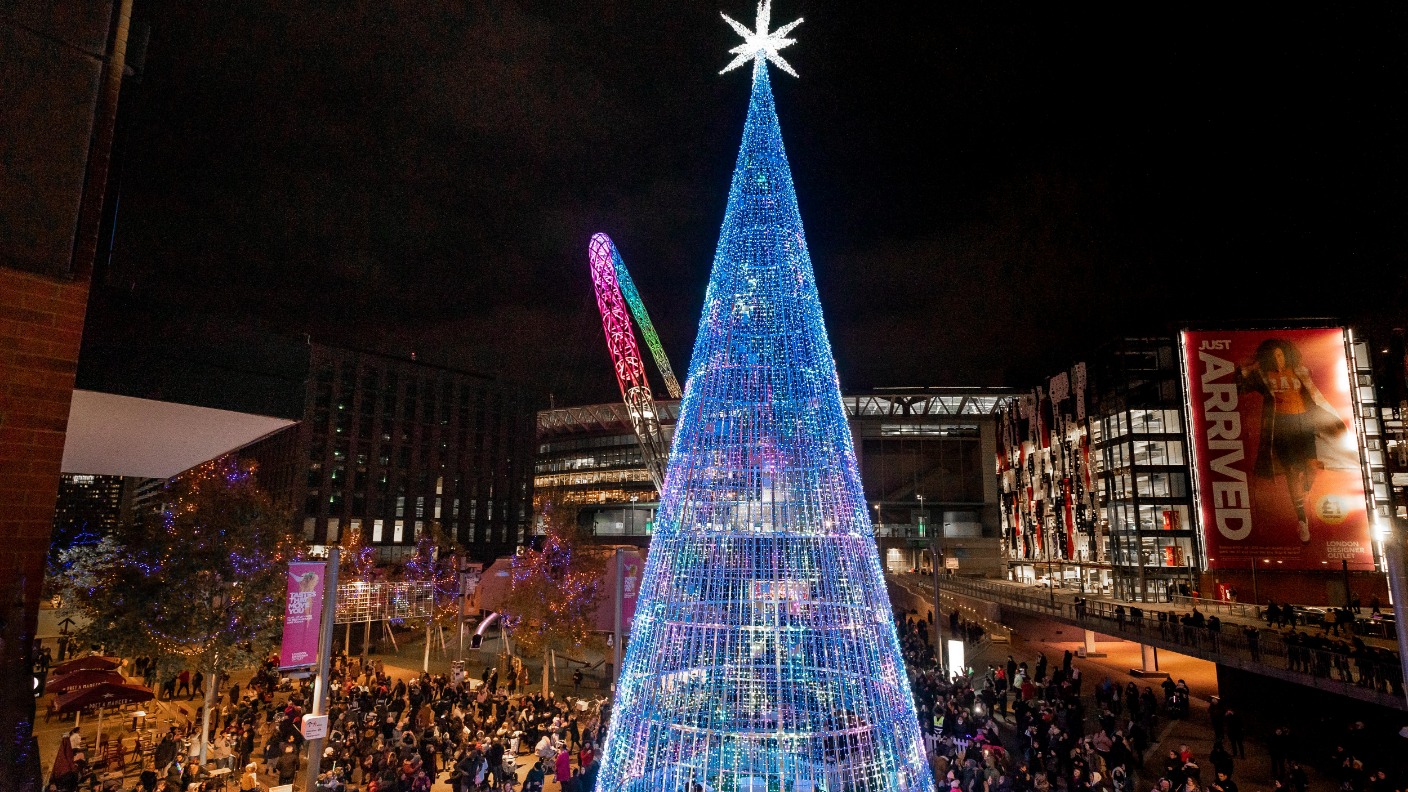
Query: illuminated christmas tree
{"x": 763, "y": 654}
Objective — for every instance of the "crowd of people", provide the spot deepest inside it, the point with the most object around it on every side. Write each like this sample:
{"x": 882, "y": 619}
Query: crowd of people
{"x": 384, "y": 735}
{"x": 1033, "y": 726}
{"x": 1036, "y": 727}
{"x": 972, "y": 631}
{"x": 1330, "y": 655}
{"x": 1029, "y": 725}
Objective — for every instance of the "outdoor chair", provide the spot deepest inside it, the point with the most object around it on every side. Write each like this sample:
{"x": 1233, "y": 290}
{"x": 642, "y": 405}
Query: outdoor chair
{"x": 114, "y": 756}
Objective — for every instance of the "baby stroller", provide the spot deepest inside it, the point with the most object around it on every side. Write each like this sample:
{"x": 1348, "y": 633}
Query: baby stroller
{"x": 1177, "y": 705}
{"x": 508, "y": 773}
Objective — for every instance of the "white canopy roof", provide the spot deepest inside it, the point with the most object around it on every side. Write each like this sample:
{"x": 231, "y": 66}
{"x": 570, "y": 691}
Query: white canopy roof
{"x": 111, "y": 435}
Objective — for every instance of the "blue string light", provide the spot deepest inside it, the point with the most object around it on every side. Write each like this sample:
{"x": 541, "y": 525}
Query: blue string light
{"x": 763, "y": 654}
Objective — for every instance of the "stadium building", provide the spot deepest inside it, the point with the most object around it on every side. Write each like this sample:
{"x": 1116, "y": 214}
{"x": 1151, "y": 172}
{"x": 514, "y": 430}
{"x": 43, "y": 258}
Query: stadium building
{"x": 925, "y": 459}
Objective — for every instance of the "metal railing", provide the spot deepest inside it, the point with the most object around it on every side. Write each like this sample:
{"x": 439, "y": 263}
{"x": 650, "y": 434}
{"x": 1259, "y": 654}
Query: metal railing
{"x": 953, "y": 532}
{"x": 1206, "y": 605}
{"x": 895, "y": 530}
{"x": 1371, "y": 675}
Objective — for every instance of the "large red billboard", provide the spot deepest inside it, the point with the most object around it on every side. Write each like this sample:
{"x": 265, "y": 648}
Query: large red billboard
{"x": 1275, "y": 453}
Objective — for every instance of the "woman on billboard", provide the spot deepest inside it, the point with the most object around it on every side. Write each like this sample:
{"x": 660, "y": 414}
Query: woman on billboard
{"x": 1293, "y": 413}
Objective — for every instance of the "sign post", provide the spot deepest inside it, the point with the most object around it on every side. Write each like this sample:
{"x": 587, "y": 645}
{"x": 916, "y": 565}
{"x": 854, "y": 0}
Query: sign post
{"x": 314, "y": 727}
{"x": 320, "y": 682}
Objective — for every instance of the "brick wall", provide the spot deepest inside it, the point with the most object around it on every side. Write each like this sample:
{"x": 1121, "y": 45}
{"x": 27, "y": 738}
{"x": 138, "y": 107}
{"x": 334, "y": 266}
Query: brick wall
{"x": 41, "y": 323}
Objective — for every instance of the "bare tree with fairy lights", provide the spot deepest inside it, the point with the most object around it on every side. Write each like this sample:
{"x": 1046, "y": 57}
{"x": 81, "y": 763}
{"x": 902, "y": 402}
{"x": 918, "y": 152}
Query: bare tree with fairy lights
{"x": 201, "y": 579}
{"x": 555, "y": 589}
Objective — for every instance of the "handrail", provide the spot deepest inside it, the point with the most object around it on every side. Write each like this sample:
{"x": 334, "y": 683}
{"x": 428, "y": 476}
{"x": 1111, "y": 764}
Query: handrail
{"x": 1242, "y": 609}
{"x": 1373, "y": 676}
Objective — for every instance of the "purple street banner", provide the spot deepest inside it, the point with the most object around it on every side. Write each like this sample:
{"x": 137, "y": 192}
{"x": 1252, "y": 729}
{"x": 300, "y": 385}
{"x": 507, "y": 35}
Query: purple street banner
{"x": 302, "y": 615}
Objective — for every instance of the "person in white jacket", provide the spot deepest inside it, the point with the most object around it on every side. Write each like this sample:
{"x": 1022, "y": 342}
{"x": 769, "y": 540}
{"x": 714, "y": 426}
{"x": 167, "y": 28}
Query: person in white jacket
{"x": 545, "y": 748}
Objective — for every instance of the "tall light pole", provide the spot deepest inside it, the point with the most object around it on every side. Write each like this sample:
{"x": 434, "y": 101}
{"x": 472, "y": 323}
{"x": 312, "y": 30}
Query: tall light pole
{"x": 1393, "y": 556}
{"x": 430, "y": 622}
{"x": 460, "y": 583}
{"x": 934, "y": 564}
{"x": 620, "y": 605}
{"x": 634, "y": 498}
{"x": 320, "y": 682}
{"x": 1394, "y": 391}
{"x": 217, "y": 604}
{"x": 1048, "y": 528}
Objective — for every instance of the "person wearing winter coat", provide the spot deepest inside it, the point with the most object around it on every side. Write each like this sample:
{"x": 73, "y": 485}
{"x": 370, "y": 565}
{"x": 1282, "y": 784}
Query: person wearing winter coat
{"x": 286, "y": 766}
{"x": 563, "y": 765}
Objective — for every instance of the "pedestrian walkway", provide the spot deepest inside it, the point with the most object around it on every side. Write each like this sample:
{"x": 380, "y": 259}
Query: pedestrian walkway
{"x": 1355, "y": 668}
{"x": 1230, "y": 613}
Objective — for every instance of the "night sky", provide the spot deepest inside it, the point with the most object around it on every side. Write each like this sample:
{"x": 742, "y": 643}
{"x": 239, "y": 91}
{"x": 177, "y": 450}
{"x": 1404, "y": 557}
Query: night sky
{"x": 989, "y": 190}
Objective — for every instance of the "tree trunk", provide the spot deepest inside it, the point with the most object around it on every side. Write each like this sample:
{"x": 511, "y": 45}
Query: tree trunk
{"x": 545, "y": 672}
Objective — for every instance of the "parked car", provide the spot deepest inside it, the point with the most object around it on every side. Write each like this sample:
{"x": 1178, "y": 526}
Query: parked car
{"x": 1310, "y": 614}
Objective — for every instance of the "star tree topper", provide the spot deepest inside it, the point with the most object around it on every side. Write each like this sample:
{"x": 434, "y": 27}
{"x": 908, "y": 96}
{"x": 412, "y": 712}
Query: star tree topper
{"x": 760, "y": 43}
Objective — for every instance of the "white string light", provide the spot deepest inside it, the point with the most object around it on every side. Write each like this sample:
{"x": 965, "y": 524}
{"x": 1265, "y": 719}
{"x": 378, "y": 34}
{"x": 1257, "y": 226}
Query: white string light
{"x": 760, "y": 43}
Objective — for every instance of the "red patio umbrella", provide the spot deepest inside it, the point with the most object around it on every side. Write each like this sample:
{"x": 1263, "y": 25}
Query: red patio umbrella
{"x": 91, "y": 662}
{"x": 63, "y": 761}
{"x": 85, "y": 678}
{"x": 102, "y": 696}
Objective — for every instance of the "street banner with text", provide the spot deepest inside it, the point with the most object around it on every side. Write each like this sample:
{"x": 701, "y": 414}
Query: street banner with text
{"x": 302, "y": 614}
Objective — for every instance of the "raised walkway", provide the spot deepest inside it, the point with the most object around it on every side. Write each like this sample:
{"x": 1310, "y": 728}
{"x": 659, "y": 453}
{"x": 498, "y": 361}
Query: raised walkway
{"x": 1376, "y": 680}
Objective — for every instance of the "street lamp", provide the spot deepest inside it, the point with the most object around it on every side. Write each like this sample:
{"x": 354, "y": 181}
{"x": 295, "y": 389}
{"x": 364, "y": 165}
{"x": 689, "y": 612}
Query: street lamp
{"x": 944, "y": 657}
{"x": 634, "y": 498}
{"x": 1049, "y": 528}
